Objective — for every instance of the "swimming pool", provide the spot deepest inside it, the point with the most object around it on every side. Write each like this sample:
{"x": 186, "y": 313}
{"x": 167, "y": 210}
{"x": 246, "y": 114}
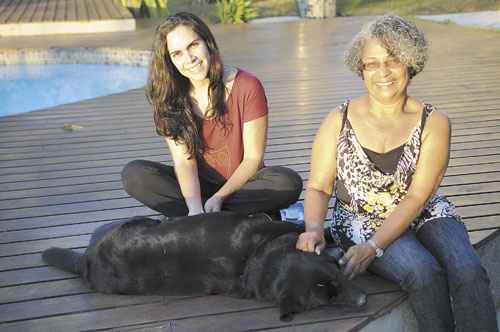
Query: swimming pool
{"x": 25, "y": 88}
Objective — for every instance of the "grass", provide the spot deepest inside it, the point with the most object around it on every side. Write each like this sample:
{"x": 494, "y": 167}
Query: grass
{"x": 413, "y": 7}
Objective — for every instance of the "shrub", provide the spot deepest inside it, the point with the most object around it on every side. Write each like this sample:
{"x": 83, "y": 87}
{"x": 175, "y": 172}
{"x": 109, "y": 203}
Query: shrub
{"x": 235, "y": 11}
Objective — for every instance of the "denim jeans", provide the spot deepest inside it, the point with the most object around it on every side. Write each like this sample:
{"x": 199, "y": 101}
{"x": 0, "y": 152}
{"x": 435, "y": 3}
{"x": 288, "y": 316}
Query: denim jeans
{"x": 447, "y": 287}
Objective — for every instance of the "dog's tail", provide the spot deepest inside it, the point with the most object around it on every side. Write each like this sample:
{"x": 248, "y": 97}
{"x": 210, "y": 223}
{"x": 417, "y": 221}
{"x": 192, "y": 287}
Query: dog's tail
{"x": 64, "y": 259}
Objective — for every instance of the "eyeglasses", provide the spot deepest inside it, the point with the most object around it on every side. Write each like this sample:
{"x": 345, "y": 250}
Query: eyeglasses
{"x": 375, "y": 65}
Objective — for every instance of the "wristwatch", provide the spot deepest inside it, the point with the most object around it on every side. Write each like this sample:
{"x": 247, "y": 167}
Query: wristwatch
{"x": 379, "y": 252}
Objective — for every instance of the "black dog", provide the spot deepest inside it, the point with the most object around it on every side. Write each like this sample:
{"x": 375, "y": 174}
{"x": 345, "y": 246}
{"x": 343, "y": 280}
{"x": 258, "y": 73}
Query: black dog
{"x": 215, "y": 253}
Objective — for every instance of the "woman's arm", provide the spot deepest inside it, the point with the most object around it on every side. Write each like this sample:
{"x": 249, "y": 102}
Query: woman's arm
{"x": 187, "y": 174}
{"x": 431, "y": 167}
{"x": 320, "y": 184}
{"x": 254, "y": 143}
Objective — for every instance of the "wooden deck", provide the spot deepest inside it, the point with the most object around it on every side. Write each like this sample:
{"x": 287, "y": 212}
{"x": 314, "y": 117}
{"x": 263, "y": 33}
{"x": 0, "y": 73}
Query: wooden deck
{"x": 57, "y": 186}
{"x": 35, "y": 17}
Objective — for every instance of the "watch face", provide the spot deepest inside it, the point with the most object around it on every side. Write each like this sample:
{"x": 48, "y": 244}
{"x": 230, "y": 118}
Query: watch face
{"x": 379, "y": 252}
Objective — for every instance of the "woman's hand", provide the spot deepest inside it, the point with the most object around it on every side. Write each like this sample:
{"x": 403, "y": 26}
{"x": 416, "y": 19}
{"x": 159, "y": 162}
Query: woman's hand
{"x": 193, "y": 212}
{"x": 214, "y": 204}
{"x": 357, "y": 259}
{"x": 311, "y": 241}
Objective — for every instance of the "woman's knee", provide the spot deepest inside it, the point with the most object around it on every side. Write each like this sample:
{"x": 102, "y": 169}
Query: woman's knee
{"x": 284, "y": 179}
{"x": 134, "y": 175}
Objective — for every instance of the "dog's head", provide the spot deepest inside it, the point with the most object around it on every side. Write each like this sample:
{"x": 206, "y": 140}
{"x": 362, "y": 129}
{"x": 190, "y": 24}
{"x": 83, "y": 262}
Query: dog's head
{"x": 295, "y": 280}
{"x": 308, "y": 281}
{"x": 314, "y": 281}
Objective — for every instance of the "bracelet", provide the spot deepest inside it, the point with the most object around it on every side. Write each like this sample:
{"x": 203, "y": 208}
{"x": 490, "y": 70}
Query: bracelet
{"x": 379, "y": 252}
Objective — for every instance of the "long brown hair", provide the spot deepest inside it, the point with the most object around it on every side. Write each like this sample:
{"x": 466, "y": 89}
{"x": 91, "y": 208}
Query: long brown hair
{"x": 168, "y": 91}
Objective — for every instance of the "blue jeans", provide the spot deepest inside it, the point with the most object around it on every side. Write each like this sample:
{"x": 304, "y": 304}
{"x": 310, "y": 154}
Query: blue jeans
{"x": 447, "y": 287}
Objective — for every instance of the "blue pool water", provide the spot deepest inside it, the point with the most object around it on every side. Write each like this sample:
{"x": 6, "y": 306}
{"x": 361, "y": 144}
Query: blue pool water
{"x": 25, "y": 88}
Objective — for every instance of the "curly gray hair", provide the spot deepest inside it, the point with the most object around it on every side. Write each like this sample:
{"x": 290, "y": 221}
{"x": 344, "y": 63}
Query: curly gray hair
{"x": 401, "y": 38}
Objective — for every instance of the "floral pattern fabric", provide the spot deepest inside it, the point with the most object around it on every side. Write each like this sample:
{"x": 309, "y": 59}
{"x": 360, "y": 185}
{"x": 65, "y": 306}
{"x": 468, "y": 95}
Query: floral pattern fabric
{"x": 375, "y": 194}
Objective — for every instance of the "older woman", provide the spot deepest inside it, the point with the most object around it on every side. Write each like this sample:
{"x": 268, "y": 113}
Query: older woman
{"x": 214, "y": 120}
{"x": 385, "y": 153}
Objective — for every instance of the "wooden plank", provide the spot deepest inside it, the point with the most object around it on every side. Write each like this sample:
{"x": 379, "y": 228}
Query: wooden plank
{"x": 145, "y": 132}
{"x": 91, "y": 9}
{"x": 28, "y": 247}
{"x": 60, "y": 11}
{"x": 476, "y": 237}
{"x": 115, "y": 176}
{"x": 19, "y": 14}
{"x": 131, "y": 121}
{"x": 135, "y": 97}
{"x": 113, "y": 173}
{"x": 113, "y": 189}
{"x": 25, "y": 261}
{"x": 59, "y": 191}
{"x": 81, "y": 11}
{"x": 8, "y": 7}
{"x": 479, "y": 210}
{"x": 277, "y": 135}
{"x": 71, "y": 14}
{"x": 69, "y": 208}
{"x": 198, "y": 314}
{"x": 120, "y": 162}
{"x": 277, "y": 107}
{"x": 88, "y": 134}
{"x": 32, "y": 275}
{"x": 105, "y": 11}
{"x": 12, "y": 312}
{"x": 50, "y": 11}
{"x": 474, "y": 188}
{"x": 69, "y": 198}
{"x": 82, "y": 154}
{"x": 39, "y": 13}
{"x": 482, "y": 222}
{"x": 51, "y": 232}
{"x": 31, "y": 10}
{"x": 75, "y": 218}
{"x": 42, "y": 290}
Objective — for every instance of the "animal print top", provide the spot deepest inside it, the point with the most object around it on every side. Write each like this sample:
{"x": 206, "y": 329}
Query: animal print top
{"x": 373, "y": 193}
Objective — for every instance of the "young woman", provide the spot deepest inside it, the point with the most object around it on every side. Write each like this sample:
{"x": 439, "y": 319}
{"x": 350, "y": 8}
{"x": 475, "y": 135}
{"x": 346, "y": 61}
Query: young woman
{"x": 214, "y": 120}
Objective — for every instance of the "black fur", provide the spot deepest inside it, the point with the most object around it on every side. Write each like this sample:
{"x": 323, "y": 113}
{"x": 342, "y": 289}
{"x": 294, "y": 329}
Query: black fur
{"x": 216, "y": 253}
